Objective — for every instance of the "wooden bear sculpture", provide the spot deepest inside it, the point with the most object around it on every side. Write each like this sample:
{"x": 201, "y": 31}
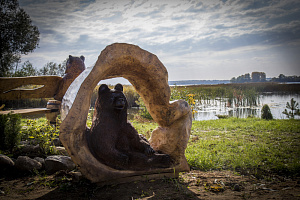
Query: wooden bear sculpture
{"x": 114, "y": 141}
{"x": 74, "y": 67}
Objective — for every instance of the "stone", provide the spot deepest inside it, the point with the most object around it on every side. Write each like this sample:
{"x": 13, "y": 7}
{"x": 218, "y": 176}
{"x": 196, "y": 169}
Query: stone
{"x": 40, "y": 160}
{"x": 236, "y": 187}
{"x": 58, "y": 162}
{"x": 6, "y": 162}
{"x": 30, "y": 150}
{"x": 150, "y": 79}
{"x": 61, "y": 151}
{"x": 76, "y": 176}
{"x": 24, "y": 163}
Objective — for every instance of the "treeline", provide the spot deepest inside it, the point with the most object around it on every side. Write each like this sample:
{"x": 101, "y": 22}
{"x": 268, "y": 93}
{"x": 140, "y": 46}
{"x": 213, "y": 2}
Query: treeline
{"x": 283, "y": 78}
{"x": 246, "y": 78}
{"x": 261, "y": 77}
{"x": 27, "y": 69}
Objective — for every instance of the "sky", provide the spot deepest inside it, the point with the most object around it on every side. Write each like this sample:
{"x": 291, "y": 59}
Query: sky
{"x": 194, "y": 39}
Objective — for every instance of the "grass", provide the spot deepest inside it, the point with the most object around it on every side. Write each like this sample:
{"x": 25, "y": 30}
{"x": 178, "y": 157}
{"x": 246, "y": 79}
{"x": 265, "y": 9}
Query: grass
{"x": 246, "y": 144}
{"x": 252, "y": 144}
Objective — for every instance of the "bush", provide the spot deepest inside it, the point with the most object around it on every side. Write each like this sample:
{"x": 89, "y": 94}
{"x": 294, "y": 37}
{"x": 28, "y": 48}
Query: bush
{"x": 10, "y": 126}
{"x": 266, "y": 112}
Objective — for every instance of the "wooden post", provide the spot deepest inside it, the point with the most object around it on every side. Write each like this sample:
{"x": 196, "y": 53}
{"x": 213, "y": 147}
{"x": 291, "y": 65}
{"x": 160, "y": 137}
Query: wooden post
{"x": 54, "y": 106}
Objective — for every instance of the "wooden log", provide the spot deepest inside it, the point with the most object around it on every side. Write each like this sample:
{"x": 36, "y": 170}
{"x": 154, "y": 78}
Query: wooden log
{"x": 26, "y": 111}
{"x": 8, "y": 87}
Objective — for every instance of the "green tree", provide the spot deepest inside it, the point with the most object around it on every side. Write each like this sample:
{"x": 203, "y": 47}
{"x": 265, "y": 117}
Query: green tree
{"x": 233, "y": 80}
{"x": 294, "y": 107}
{"x": 18, "y": 35}
{"x": 52, "y": 68}
{"x": 26, "y": 70}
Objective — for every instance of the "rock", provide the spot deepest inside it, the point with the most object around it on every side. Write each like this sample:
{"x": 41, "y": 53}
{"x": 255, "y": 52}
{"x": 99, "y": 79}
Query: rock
{"x": 57, "y": 163}
{"x": 40, "y": 160}
{"x": 14, "y": 160}
{"x": 6, "y": 162}
{"x": 236, "y": 187}
{"x": 77, "y": 176}
{"x": 61, "y": 151}
{"x": 30, "y": 150}
{"x": 24, "y": 163}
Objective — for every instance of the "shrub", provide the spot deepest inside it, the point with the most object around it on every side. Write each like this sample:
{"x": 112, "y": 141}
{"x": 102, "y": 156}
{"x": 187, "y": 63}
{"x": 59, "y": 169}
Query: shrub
{"x": 293, "y": 106}
{"x": 10, "y": 126}
{"x": 266, "y": 112}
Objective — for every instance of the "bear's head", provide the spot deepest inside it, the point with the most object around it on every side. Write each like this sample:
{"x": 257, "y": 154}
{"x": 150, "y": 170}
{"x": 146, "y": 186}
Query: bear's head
{"x": 75, "y": 65}
{"x": 112, "y": 100}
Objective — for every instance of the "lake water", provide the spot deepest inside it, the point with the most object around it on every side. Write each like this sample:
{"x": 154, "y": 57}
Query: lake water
{"x": 276, "y": 102}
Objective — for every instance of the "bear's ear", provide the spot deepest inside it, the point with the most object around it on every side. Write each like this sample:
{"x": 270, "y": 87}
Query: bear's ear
{"x": 103, "y": 88}
{"x": 82, "y": 58}
{"x": 70, "y": 59}
{"x": 119, "y": 87}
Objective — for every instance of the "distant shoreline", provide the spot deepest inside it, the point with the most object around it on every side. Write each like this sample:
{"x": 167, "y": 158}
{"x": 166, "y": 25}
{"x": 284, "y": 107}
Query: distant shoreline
{"x": 198, "y": 82}
{"x": 218, "y": 82}
{"x": 289, "y": 87}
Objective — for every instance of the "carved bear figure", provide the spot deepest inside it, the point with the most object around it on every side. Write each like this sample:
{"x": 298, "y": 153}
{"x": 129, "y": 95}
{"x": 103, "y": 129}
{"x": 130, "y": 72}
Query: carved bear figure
{"x": 114, "y": 141}
{"x": 74, "y": 67}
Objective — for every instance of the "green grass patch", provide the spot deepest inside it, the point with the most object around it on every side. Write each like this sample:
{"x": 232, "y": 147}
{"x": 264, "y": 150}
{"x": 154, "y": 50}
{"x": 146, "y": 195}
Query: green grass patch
{"x": 144, "y": 128}
{"x": 252, "y": 144}
{"x": 243, "y": 144}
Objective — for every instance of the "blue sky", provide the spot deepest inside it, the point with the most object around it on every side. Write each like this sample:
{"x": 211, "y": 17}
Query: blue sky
{"x": 208, "y": 39}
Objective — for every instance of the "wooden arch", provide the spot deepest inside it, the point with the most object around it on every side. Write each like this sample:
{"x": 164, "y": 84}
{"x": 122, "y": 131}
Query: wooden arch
{"x": 150, "y": 79}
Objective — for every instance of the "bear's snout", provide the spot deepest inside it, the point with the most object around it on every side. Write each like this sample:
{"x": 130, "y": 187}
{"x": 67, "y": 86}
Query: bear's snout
{"x": 120, "y": 103}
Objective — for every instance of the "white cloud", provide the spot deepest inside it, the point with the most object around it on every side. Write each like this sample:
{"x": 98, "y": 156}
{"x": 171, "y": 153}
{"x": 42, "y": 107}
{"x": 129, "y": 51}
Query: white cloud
{"x": 196, "y": 34}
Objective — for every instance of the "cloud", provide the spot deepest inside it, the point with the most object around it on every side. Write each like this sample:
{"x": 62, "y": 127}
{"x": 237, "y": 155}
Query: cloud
{"x": 203, "y": 35}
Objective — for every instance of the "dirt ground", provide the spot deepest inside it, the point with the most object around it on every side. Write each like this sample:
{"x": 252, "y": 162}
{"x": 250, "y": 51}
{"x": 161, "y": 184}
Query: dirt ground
{"x": 193, "y": 185}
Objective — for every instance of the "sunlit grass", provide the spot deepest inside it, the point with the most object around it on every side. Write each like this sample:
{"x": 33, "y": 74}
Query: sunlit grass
{"x": 242, "y": 144}
{"x": 250, "y": 144}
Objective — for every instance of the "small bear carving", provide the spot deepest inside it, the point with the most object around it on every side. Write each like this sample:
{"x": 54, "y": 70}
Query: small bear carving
{"x": 114, "y": 141}
{"x": 74, "y": 67}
